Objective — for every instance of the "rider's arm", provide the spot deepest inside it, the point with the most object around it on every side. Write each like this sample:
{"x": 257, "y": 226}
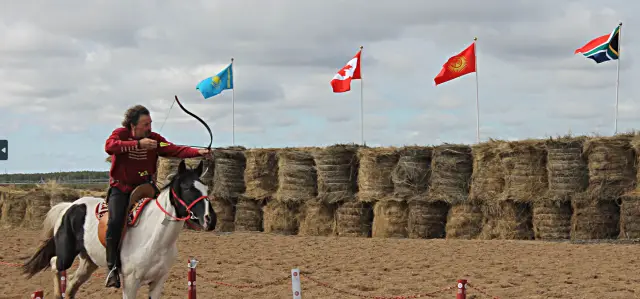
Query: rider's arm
{"x": 114, "y": 145}
{"x": 167, "y": 149}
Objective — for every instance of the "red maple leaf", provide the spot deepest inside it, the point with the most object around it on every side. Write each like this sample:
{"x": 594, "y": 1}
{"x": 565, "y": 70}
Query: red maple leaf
{"x": 342, "y": 71}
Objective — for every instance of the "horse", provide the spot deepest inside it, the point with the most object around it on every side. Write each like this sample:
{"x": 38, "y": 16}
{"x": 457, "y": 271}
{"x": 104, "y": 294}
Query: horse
{"x": 148, "y": 247}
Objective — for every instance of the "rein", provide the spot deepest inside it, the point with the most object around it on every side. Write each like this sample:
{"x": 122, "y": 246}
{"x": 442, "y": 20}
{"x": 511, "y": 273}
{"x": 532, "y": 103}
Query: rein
{"x": 189, "y": 213}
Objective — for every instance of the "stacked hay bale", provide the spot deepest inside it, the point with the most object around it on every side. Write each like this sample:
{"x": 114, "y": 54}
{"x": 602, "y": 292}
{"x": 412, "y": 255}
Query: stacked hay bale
{"x": 297, "y": 183}
{"x": 37, "y": 205}
{"x": 261, "y": 179}
{"x": 451, "y": 169}
{"x": 524, "y": 166}
{"x": 596, "y": 214}
{"x": 487, "y": 183}
{"x": 630, "y": 203}
{"x": 14, "y": 207}
{"x": 426, "y": 218}
{"x": 58, "y": 193}
{"x": 228, "y": 185}
{"x": 375, "y": 187}
{"x": 567, "y": 175}
{"x": 337, "y": 169}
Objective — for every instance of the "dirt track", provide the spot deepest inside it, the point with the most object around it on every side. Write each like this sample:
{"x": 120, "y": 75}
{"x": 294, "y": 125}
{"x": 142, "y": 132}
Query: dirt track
{"x": 374, "y": 267}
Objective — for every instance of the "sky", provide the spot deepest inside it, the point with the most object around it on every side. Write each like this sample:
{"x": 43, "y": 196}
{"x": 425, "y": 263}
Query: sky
{"x": 70, "y": 69}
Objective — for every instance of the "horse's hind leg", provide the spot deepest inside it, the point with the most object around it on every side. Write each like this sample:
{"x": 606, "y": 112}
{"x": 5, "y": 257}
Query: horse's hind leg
{"x": 82, "y": 275}
{"x": 56, "y": 279}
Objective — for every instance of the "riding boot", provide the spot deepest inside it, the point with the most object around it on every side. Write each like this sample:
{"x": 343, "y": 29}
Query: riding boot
{"x": 113, "y": 264}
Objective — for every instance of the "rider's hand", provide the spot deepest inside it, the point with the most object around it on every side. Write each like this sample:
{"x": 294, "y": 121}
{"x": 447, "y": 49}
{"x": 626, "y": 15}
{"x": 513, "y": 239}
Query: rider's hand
{"x": 205, "y": 153}
{"x": 147, "y": 143}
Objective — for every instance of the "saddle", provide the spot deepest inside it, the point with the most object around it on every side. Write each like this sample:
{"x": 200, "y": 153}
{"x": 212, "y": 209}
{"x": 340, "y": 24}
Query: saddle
{"x": 138, "y": 199}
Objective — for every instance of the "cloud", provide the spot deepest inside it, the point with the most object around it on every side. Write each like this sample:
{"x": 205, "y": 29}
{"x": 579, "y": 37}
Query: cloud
{"x": 68, "y": 75}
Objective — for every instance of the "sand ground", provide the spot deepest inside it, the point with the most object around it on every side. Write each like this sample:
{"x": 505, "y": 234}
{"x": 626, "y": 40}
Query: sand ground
{"x": 371, "y": 267}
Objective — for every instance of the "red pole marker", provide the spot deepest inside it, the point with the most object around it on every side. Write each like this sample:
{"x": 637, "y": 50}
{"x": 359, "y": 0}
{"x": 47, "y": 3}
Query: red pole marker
{"x": 37, "y": 295}
{"x": 191, "y": 277}
{"x": 63, "y": 283}
{"x": 462, "y": 289}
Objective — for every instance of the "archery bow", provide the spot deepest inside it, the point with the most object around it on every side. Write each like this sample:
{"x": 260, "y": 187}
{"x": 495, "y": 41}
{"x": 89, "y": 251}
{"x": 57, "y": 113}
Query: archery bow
{"x": 200, "y": 120}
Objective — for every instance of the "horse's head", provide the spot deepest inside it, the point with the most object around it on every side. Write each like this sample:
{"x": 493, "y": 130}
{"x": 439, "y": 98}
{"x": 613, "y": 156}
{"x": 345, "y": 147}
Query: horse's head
{"x": 189, "y": 196}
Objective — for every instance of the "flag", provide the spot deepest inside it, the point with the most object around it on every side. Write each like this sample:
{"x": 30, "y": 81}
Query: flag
{"x": 341, "y": 82}
{"x": 461, "y": 64}
{"x": 214, "y": 85}
{"x": 603, "y": 48}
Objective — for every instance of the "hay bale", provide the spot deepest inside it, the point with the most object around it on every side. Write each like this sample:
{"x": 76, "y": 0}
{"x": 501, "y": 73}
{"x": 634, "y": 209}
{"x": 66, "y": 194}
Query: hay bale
{"x": 412, "y": 172}
{"x": 317, "y": 218}
{"x": 464, "y": 221}
{"x": 248, "y": 215}
{"x": 611, "y": 166}
{"x": 14, "y": 208}
{"x": 390, "y": 219}
{"x": 552, "y": 220}
{"x": 225, "y": 210}
{"x": 261, "y": 173}
{"x": 228, "y": 176}
{"x": 353, "y": 219}
{"x": 594, "y": 219}
{"x": 524, "y": 164}
{"x": 566, "y": 167}
{"x": 297, "y": 176}
{"x": 635, "y": 143}
{"x": 58, "y": 193}
{"x": 281, "y": 217}
{"x": 451, "y": 169}
{"x": 487, "y": 179}
{"x": 37, "y": 206}
{"x": 427, "y": 220}
{"x": 630, "y": 215}
{"x": 374, "y": 173}
{"x": 507, "y": 220}
{"x": 337, "y": 167}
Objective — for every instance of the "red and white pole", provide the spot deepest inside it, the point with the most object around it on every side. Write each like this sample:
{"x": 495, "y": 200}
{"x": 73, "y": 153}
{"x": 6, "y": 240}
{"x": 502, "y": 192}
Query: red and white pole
{"x": 37, "y": 295}
{"x": 63, "y": 283}
{"x": 191, "y": 276}
{"x": 462, "y": 289}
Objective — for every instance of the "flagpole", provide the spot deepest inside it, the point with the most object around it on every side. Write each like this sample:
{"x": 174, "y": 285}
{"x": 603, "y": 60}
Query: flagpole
{"x": 615, "y": 126}
{"x": 233, "y": 106}
{"x": 475, "y": 41}
{"x": 361, "y": 100}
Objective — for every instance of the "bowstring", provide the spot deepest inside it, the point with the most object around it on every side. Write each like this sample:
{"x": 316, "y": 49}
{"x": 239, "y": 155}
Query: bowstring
{"x": 165, "y": 118}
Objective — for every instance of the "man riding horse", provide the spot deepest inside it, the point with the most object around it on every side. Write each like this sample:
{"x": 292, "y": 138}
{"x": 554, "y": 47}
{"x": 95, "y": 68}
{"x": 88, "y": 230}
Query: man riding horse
{"x": 134, "y": 149}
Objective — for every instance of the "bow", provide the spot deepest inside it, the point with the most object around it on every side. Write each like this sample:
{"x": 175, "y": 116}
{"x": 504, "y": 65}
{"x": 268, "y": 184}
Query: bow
{"x": 199, "y": 119}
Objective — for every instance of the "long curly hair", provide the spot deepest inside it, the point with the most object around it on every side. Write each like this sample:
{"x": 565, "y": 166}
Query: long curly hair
{"x": 132, "y": 115}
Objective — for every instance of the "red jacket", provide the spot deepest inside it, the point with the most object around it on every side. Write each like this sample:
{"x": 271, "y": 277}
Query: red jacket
{"x": 130, "y": 165}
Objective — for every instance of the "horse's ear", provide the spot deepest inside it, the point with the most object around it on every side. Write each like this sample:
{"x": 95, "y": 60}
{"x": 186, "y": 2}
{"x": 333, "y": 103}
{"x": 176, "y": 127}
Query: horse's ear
{"x": 198, "y": 169}
{"x": 182, "y": 167}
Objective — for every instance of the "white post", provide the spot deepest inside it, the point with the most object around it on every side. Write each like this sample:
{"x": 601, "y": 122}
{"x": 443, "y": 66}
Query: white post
{"x": 361, "y": 100}
{"x": 475, "y": 41}
{"x": 615, "y": 126}
{"x": 295, "y": 284}
{"x": 233, "y": 106}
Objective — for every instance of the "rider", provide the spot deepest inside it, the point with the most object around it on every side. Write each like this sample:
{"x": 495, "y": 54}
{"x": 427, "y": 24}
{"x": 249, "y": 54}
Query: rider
{"x": 134, "y": 149}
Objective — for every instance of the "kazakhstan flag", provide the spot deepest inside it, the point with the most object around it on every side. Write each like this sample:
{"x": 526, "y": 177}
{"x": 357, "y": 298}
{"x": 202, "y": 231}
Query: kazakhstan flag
{"x": 214, "y": 85}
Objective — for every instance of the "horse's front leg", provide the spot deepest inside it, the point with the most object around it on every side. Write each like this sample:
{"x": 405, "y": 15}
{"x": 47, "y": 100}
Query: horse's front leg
{"x": 130, "y": 286}
{"x": 156, "y": 287}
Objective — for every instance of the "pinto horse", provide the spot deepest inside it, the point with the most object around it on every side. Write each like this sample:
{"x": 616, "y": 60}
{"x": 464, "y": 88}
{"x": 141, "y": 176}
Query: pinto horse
{"x": 148, "y": 247}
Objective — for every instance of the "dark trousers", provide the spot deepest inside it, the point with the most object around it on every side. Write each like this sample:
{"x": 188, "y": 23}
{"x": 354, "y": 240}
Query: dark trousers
{"x": 118, "y": 203}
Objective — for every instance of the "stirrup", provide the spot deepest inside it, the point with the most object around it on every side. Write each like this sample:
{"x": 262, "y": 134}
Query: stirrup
{"x": 109, "y": 282}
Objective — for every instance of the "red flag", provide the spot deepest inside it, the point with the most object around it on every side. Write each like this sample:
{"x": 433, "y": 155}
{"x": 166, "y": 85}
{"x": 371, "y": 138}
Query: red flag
{"x": 341, "y": 82}
{"x": 458, "y": 65}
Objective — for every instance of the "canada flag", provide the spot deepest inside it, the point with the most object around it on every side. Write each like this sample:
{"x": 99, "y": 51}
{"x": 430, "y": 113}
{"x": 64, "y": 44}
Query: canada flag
{"x": 341, "y": 82}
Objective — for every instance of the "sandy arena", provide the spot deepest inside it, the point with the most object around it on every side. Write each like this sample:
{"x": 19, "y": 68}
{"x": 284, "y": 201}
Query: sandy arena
{"x": 372, "y": 267}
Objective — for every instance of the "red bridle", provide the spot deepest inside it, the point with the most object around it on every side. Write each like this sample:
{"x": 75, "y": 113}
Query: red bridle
{"x": 189, "y": 213}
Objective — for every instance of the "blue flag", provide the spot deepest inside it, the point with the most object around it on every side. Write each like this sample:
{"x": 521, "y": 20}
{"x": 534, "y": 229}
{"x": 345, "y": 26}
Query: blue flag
{"x": 214, "y": 85}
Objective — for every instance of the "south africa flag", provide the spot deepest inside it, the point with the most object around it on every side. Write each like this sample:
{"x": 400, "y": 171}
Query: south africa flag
{"x": 603, "y": 48}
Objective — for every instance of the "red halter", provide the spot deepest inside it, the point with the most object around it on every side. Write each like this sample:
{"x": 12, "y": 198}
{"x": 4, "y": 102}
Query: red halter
{"x": 189, "y": 213}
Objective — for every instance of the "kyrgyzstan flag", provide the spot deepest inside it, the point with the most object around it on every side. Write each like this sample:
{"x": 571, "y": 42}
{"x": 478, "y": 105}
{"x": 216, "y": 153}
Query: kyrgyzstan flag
{"x": 458, "y": 65}
{"x": 341, "y": 82}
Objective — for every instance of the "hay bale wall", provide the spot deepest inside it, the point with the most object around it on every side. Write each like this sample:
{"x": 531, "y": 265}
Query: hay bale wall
{"x": 630, "y": 215}
{"x": 14, "y": 208}
{"x": 524, "y": 164}
{"x": 353, "y": 219}
{"x": 412, "y": 172}
{"x": 248, "y": 215}
{"x": 464, "y": 221}
{"x": 552, "y": 220}
{"x": 281, "y": 217}
{"x": 374, "y": 173}
{"x": 317, "y": 218}
{"x": 337, "y": 170}
{"x": 261, "y": 173}
{"x": 487, "y": 179}
{"x": 427, "y": 220}
{"x": 566, "y": 167}
{"x": 593, "y": 218}
{"x": 297, "y": 176}
{"x": 228, "y": 175}
{"x": 390, "y": 219}
{"x": 611, "y": 166}
{"x": 451, "y": 169}
{"x": 225, "y": 210}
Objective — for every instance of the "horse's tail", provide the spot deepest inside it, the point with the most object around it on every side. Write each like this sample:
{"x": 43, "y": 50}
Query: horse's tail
{"x": 40, "y": 260}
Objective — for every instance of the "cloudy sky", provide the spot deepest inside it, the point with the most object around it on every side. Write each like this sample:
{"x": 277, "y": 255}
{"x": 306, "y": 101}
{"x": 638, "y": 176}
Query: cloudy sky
{"x": 69, "y": 70}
